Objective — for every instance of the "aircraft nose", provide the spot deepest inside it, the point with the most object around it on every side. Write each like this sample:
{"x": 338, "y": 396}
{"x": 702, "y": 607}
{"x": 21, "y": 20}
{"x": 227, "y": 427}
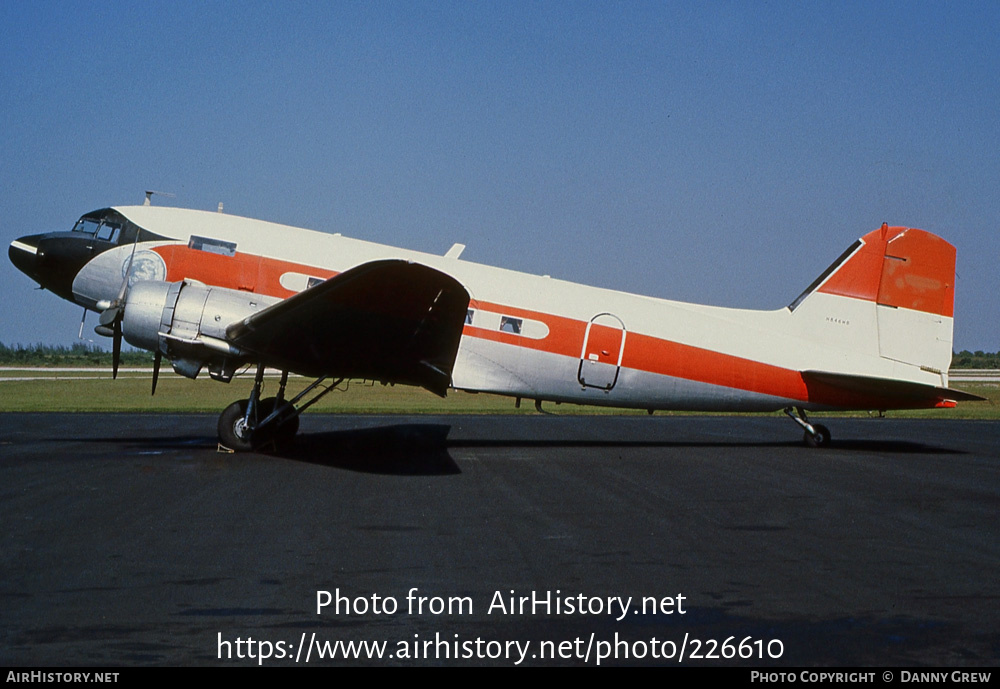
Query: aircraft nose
{"x": 23, "y": 253}
{"x": 52, "y": 260}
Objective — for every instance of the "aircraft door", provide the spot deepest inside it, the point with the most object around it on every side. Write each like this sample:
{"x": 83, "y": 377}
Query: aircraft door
{"x": 249, "y": 272}
{"x": 603, "y": 347}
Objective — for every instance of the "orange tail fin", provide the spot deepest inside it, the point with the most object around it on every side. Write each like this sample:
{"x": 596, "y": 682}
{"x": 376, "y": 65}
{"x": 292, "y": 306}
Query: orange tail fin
{"x": 907, "y": 276}
{"x": 899, "y": 267}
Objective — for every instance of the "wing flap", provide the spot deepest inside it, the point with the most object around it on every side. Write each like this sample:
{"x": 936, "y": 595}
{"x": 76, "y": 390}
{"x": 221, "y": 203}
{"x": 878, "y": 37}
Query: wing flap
{"x": 390, "y": 320}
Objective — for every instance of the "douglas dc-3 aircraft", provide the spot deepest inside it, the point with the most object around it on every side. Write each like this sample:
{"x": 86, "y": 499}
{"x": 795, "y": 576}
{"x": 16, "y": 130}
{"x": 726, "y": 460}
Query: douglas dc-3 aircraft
{"x": 218, "y": 292}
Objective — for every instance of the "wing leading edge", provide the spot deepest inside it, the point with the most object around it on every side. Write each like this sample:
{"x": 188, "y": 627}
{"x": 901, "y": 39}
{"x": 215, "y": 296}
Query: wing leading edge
{"x": 390, "y": 320}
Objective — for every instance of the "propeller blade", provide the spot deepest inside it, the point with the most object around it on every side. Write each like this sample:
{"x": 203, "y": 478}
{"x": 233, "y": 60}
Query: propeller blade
{"x": 128, "y": 269}
{"x": 156, "y": 370}
{"x": 109, "y": 315}
{"x": 116, "y": 348}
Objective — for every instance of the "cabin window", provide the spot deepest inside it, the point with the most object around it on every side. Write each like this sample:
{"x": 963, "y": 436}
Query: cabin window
{"x": 496, "y": 322}
{"x": 312, "y": 282}
{"x": 212, "y": 246}
{"x": 510, "y": 325}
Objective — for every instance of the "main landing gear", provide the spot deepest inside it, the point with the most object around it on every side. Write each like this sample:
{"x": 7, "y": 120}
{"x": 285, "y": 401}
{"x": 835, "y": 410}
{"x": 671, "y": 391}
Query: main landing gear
{"x": 817, "y": 435}
{"x": 268, "y": 424}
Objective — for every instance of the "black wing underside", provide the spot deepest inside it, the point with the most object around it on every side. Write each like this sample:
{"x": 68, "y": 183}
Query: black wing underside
{"x": 390, "y": 320}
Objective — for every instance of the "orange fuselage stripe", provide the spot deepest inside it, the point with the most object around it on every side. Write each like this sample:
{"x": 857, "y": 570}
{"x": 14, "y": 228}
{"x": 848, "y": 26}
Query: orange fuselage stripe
{"x": 646, "y": 353}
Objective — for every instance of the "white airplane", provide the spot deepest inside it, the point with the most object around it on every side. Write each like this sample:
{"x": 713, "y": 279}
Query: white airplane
{"x": 219, "y": 292}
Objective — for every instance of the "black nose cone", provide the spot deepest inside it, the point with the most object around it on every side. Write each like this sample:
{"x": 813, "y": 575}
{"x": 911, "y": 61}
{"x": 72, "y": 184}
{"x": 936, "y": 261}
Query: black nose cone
{"x": 53, "y": 260}
{"x": 23, "y": 253}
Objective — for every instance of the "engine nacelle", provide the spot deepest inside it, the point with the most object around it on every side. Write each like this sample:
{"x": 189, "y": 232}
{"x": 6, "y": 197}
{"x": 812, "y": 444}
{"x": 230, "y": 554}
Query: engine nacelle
{"x": 186, "y": 321}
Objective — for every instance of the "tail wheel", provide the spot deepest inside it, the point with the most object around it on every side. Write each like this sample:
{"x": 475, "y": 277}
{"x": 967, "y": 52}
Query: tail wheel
{"x": 821, "y": 438}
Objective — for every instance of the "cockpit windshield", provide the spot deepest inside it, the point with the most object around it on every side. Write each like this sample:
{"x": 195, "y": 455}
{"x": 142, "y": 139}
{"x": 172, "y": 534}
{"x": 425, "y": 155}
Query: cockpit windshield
{"x": 104, "y": 229}
{"x": 107, "y": 226}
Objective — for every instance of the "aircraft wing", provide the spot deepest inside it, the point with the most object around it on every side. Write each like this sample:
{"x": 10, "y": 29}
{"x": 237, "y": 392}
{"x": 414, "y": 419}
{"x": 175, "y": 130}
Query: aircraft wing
{"x": 389, "y": 320}
{"x": 886, "y": 389}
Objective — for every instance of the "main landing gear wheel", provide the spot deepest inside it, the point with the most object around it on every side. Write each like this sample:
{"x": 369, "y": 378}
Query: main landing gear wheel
{"x": 821, "y": 438}
{"x": 242, "y": 432}
{"x": 233, "y": 430}
{"x": 236, "y": 434}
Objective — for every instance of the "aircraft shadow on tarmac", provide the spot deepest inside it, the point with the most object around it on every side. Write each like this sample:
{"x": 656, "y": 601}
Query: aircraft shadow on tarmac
{"x": 404, "y": 449}
{"x": 890, "y": 446}
{"x": 422, "y": 449}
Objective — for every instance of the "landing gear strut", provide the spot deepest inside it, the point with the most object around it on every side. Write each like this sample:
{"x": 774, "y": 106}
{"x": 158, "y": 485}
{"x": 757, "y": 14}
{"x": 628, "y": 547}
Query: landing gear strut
{"x": 269, "y": 424}
{"x": 816, "y": 434}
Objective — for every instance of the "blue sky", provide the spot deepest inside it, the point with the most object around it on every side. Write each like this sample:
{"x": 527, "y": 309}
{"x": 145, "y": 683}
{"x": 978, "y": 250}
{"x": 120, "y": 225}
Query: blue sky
{"x": 722, "y": 153}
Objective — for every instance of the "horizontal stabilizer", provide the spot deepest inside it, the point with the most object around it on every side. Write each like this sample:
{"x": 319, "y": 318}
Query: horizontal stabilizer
{"x": 889, "y": 392}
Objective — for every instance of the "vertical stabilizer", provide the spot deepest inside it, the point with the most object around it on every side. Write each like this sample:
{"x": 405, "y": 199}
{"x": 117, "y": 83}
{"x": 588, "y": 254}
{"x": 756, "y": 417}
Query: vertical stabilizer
{"x": 908, "y": 278}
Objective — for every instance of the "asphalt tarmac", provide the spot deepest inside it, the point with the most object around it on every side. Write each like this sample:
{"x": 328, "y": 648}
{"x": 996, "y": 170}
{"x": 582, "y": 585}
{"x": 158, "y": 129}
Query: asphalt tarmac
{"x": 129, "y": 540}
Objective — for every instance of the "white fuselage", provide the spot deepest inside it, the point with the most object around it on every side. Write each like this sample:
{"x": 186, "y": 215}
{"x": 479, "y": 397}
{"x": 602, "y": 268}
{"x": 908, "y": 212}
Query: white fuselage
{"x": 541, "y": 338}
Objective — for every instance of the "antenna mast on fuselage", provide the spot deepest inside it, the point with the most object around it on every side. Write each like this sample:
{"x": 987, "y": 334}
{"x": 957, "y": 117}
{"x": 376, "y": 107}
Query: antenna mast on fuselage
{"x": 149, "y": 194}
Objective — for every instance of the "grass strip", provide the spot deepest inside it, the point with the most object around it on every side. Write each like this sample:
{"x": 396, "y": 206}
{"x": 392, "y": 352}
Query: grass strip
{"x": 96, "y": 392}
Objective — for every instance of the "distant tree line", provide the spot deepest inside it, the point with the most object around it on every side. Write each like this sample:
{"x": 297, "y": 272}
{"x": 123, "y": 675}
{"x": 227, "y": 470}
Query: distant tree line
{"x": 977, "y": 359}
{"x": 81, "y": 354}
{"x": 78, "y": 354}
